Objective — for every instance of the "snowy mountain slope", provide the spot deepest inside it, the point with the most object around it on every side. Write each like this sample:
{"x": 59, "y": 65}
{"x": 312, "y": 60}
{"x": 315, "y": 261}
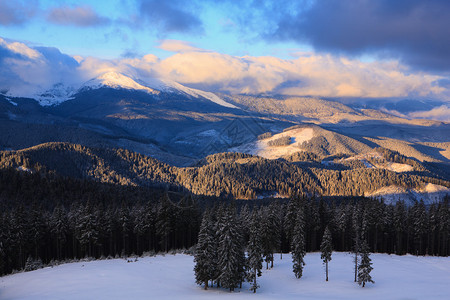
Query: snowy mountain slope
{"x": 264, "y": 149}
{"x": 62, "y": 92}
{"x": 116, "y": 80}
{"x": 172, "y": 277}
{"x": 430, "y": 194}
{"x": 171, "y": 86}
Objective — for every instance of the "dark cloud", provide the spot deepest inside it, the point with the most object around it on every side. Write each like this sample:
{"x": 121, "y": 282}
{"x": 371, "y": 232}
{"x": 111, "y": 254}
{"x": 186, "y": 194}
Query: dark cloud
{"x": 82, "y": 16}
{"x": 25, "y": 70}
{"x": 16, "y": 12}
{"x": 171, "y": 16}
{"x": 415, "y": 31}
{"x": 57, "y": 58}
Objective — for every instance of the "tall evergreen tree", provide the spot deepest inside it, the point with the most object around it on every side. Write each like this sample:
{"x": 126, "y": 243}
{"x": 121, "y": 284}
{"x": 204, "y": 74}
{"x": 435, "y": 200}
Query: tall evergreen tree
{"x": 164, "y": 221}
{"x": 356, "y": 224}
{"x": 326, "y": 247}
{"x": 254, "y": 251}
{"x": 59, "y": 228}
{"x": 125, "y": 226}
{"x": 87, "y": 228}
{"x": 365, "y": 267}
{"x": 230, "y": 252}
{"x": 269, "y": 233}
{"x": 298, "y": 245}
{"x": 204, "y": 256}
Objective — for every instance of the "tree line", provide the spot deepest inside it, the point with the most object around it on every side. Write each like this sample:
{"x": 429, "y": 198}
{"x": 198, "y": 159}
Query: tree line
{"x": 58, "y": 218}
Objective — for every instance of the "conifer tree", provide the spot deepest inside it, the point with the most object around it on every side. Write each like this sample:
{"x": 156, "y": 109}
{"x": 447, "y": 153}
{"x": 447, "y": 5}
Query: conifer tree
{"x": 164, "y": 221}
{"x": 230, "y": 252}
{"x": 87, "y": 228}
{"x": 356, "y": 224}
{"x": 365, "y": 267}
{"x": 124, "y": 225}
{"x": 254, "y": 251}
{"x": 203, "y": 256}
{"x": 326, "y": 247}
{"x": 298, "y": 245}
{"x": 59, "y": 227}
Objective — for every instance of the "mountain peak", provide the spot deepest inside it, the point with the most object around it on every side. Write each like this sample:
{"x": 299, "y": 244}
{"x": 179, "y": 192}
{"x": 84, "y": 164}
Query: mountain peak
{"x": 117, "y": 80}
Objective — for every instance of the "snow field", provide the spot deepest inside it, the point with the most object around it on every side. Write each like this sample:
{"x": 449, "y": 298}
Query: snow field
{"x": 172, "y": 277}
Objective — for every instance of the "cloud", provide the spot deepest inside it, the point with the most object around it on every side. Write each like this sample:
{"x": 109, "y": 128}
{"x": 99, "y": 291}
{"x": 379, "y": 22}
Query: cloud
{"x": 18, "y": 49}
{"x": 24, "y": 69}
{"x": 417, "y": 32}
{"x": 16, "y": 12}
{"x": 441, "y": 113}
{"x": 308, "y": 75}
{"x": 177, "y": 46}
{"x": 172, "y": 16}
{"x": 82, "y": 16}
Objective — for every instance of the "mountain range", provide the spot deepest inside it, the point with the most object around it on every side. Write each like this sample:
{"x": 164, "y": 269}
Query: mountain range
{"x": 181, "y": 126}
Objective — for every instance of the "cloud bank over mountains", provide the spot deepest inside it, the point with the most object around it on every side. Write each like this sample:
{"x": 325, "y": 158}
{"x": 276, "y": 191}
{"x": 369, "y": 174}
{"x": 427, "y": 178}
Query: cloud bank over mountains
{"x": 26, "y": 70}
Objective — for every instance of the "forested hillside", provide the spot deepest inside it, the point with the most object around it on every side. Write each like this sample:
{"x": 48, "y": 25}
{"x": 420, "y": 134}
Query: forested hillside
{"x": 235, "y": 175}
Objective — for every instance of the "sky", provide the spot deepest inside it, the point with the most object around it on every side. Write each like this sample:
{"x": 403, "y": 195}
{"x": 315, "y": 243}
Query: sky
{"x": 377, "y": 49}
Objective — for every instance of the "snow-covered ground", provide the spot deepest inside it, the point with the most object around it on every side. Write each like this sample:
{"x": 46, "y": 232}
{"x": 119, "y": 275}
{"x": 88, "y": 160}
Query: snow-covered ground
{"x": 262, "y": 148}
{"x": 172, "y": 277}
{"x": 431, "y": 193}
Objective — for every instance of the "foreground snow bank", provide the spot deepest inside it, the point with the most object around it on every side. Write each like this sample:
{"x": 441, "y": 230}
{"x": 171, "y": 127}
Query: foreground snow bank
{"x": 172, "y": 277}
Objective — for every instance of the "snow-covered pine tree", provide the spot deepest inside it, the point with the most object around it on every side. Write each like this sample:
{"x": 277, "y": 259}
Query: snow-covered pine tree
{"x": 254, "y": 251}
{"x": 230, "y": 252}
{"x": 203, "y": 257}
{"x": 356, "y": 224}
{"x": 124, "y": 225}
{"x": 365, "y": 267}
{"x": 420, "y": 225}
{"x": 399, "y": 225}
{"x": 298, "y": 245}
{"x": 87, "y": 228}
{"x": 326, "y": 247}
{"x": 137, "y": 214}
{"x": 269, "y": 232}
{"x": 59, "y": 228}
{"x": 164, "y": 221}
{"x": 291, "y": 216}
{"x": 245, "y": 219}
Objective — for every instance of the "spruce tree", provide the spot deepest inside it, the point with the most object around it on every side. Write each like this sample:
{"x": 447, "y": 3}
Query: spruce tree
{"x": 230, "y": 252}
{"x": 87, "y": 228}
{"x": 326, "y": 247}
{"x": 298, "y": 245}
{"x": 254, "y": 251}
{"x": 365, "y": 267}
{"x": 164, "y": 221}
{"x": 59, "y": 228}
{"x": 203, "y": 257}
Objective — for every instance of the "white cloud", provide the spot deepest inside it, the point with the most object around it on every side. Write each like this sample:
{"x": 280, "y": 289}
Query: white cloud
{"x": 20, "y": 49}
{"x": 24, "y": 69}
{"x": 177, "y": 46}
{"x": 441, "y": 113}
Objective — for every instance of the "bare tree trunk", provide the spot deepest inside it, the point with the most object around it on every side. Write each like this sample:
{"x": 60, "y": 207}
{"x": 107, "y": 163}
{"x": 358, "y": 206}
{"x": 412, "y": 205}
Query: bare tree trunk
{"x": 327, "y": 270}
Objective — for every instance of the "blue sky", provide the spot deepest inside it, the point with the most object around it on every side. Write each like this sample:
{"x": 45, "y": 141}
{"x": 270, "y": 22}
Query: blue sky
{"x": 116, "y": 28}
{"x": 374, "y": 49}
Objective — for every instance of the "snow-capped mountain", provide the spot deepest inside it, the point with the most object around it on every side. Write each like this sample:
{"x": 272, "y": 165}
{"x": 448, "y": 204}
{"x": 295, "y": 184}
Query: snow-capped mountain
{"x": 117, "y": 81}
{"x": 174, "y": 87}
{"x": 153, "y": 86}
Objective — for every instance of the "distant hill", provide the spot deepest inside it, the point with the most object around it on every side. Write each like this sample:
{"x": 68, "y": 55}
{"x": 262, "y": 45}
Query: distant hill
{"x": 234, "y": 175}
